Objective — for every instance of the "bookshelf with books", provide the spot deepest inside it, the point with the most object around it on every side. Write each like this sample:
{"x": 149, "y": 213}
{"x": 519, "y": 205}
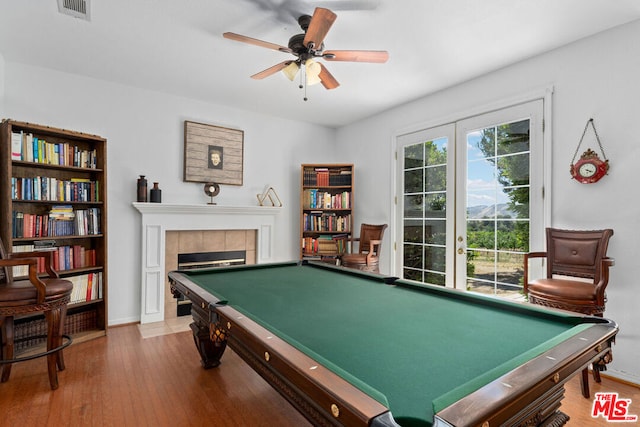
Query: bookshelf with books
{"x": 326, "y": 210}
{"x": 53, "y": 197}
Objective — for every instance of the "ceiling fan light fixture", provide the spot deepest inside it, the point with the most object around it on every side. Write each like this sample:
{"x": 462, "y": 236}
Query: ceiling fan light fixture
{"x": 291, "y": 70}
{"x": 312, "y": 70}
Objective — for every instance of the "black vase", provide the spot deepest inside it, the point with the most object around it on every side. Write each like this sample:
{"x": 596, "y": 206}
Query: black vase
{"x": 142, "y": 189}
{"x": 156, "y": 194}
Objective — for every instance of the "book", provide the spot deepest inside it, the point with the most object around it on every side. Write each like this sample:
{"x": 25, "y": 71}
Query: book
{"x": 16, "y": 145}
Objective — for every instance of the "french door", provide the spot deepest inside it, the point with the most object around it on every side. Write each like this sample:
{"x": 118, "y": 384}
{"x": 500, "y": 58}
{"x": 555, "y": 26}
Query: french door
{"x": 471, "y": 200}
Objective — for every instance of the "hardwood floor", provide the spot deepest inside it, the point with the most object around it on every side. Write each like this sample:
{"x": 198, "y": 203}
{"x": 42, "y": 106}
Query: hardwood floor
{"x": 126, "y": 380}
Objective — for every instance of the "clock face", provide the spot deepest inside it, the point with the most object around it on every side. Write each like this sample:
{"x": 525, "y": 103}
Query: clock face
{"x": 587, "y": 170}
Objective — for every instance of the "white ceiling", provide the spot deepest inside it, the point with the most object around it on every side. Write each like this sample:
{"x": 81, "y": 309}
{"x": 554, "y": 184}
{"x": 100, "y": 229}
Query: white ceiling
{"x": 177, "y": 46}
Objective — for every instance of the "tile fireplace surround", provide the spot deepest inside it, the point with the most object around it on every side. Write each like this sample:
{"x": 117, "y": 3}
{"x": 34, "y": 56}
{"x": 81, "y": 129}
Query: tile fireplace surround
{"x": 240, "y": 222}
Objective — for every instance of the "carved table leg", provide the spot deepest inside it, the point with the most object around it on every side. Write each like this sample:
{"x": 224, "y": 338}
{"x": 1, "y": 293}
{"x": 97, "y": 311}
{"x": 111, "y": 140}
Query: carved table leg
{"x": 210, "y": 351}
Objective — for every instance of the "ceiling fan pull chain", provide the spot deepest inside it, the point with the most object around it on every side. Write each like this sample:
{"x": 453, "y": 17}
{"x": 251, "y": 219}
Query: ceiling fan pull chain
{"x": 303, "y": 77}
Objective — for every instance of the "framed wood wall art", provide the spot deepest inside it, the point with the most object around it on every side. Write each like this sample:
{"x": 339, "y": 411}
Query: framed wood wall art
{"x": 212, "y": 154}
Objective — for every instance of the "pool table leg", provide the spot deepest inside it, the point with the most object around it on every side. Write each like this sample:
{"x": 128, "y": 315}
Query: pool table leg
{"x": 211, "y": 351}
{"x": 210, "y": 340}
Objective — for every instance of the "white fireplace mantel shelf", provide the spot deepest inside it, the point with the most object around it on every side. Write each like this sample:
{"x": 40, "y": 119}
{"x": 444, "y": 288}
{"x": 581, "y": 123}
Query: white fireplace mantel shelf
{"x": 166, "y": 208}
{"x": 157, "y": 218}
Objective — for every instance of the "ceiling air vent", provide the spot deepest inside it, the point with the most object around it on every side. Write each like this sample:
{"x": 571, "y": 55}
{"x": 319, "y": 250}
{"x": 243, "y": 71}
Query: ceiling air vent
{"x": 76, "y": 8}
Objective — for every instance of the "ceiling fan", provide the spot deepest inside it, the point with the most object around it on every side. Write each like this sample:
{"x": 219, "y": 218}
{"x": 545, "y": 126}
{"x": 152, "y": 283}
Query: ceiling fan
{"x": 308, "y": 46}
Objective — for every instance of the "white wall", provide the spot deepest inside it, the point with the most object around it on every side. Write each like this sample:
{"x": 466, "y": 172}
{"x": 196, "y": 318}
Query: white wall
{"x": 144, "y": 132}
{"x": 1, "y": 85}
{"x": 596, "y": 77}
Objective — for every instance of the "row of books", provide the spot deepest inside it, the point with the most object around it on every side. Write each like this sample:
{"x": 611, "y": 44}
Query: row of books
{"x": 315, "y": 221}
{"x": 64, "y": 258}
{"x": 52, "y": 189}
{"x": 324, "y": 245}
{"x": 80, "y": 222}
{"x": 317, "y": 199}
{"x": 86, "y": 287}
{"x": 323, "y": 177}
{"x": 28, "y": 148}
{"x": 33, "y": 332}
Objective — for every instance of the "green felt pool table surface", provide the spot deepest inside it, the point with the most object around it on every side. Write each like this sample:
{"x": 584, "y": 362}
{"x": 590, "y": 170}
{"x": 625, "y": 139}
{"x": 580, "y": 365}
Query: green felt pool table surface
{"x": 416, "y": 349}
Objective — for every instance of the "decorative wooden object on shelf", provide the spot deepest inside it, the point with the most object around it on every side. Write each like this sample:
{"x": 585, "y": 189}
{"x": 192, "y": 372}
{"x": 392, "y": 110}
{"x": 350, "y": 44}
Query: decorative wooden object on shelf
{"x": 211, "y": 189}
{"x": 53, "y": 196}
{"x": 326, "y": 210}
{"x": 270, "y": 194}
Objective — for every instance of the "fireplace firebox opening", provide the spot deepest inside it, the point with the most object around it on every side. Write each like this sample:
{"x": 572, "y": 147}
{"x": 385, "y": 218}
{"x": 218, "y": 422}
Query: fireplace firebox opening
{"x": 195, "y": 260}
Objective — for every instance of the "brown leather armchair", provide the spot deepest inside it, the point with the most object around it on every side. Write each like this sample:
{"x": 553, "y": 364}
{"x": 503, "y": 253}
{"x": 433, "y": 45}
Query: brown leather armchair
{"x": 576, "y": 278}
{"x": 369, "y": 244}
{"x": 24, "y": 297}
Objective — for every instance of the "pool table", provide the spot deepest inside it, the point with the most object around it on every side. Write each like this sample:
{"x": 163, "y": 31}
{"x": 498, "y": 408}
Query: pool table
{"x": 359, "y": 349}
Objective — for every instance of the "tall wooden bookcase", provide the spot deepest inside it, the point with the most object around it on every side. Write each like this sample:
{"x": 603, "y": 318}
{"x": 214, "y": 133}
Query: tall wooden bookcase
{"x": 326, "y": 209}
{"x": 53, "y": 196}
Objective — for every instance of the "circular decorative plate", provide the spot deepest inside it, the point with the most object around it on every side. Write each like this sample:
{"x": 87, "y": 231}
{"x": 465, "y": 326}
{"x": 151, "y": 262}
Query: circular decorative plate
{"x": 211, "y": 189}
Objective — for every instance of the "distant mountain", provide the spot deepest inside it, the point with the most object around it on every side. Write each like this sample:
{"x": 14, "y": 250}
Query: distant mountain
{"x": 483, "y": 211}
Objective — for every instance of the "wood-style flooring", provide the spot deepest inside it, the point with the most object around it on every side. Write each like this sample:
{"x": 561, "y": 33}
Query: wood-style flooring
{"x": 126, "y": 380}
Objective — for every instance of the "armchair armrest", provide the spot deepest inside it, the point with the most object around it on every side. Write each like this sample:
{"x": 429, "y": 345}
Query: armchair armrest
{"x": 373, "y": 250}
{"x": 527, "y": 256}
{"x": 32, "y": 262}
{"x": 342, "y": 244}
{"x": 535, "y": 255}
{"x": 352, "y": 247}
{"x": 46, "y": 255}
{"x": 604, "y": 279}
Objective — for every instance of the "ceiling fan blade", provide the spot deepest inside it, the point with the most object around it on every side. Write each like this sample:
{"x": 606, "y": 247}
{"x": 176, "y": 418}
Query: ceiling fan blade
{"x": 319, "y": 26}
{"x": 256, "y": 42}
{"x": 271, "y": 70}
{"x": 327, "y": 79}
{"x": 356, "y": 55}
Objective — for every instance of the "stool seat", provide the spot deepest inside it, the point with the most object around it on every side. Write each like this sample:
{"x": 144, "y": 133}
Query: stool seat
{"x": 22, "y": 292}
{"x": 359, "y": 261}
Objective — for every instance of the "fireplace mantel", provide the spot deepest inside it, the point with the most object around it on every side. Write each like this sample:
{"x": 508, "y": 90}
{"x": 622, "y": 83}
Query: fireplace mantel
{"x": 157, "y": 218}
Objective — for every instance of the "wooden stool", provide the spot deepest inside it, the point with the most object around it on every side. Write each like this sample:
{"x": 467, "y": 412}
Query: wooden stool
{"x": 23, "y": 297}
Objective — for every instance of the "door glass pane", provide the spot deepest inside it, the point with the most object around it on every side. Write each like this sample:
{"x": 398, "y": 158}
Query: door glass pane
{"x": 498, "y": 216}
{"x": 413, "y": 180}
{"x": 424, "y": 198}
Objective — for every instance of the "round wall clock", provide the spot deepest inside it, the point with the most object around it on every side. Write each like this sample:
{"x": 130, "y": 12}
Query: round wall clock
{"x": 589, "y": 168}
{"x": 211, "y": 189}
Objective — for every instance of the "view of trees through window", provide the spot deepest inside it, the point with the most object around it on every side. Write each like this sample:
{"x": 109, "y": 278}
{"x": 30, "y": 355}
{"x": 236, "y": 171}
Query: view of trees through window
{"x": 498, "y": 230}
{"x": 425, "y": 197}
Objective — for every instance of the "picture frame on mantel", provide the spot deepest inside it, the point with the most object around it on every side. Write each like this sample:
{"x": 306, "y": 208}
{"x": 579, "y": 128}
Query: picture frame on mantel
{"x": 213, "y": 154}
